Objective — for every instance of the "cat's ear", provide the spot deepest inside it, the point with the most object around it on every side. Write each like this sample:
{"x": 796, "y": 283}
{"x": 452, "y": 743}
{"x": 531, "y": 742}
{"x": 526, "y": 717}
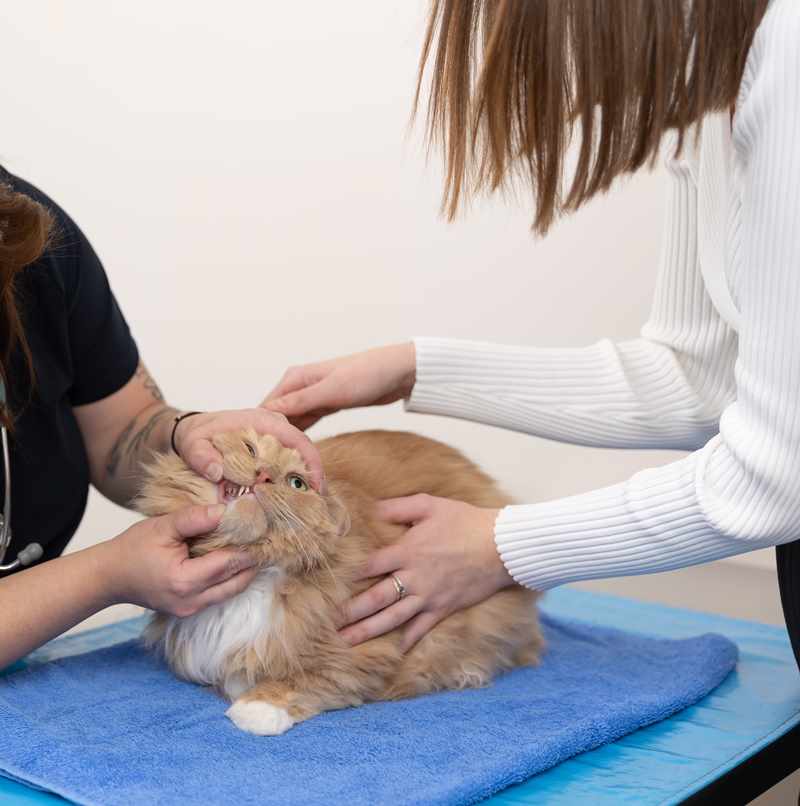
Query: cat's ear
{"x": 339, "y": 514}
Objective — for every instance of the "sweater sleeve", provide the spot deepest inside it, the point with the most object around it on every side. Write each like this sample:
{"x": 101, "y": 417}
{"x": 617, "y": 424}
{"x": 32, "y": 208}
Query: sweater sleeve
{"x": 665, "y": 389}
{"x": 741, "y": 490}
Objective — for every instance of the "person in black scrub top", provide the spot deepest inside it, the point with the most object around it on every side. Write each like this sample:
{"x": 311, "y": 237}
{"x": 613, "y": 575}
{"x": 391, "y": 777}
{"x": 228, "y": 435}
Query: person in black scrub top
{"x": 82, "y": 409}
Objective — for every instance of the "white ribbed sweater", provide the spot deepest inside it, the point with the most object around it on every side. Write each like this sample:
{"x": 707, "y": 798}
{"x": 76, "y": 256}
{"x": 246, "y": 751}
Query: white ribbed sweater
{"x": 716, "y": 369}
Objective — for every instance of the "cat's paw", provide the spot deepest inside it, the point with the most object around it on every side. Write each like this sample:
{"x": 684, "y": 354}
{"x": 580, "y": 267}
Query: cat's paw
{"x": 260, "y": 718}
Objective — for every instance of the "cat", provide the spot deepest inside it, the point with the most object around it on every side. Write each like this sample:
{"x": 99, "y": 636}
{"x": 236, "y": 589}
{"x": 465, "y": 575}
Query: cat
{"x": 274, "y": 650}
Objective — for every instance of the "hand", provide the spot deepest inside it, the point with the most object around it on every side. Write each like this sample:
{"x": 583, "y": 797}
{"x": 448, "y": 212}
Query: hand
{"x": 193, "y": 440}
{"x": 372, "y": 378}
{"x": 149, "y": 564}
{"x": 447, "y": 561}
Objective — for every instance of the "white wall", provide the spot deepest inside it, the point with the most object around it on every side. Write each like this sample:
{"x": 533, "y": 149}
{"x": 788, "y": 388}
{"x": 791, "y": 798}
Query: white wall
{"x": 243, "y": 170}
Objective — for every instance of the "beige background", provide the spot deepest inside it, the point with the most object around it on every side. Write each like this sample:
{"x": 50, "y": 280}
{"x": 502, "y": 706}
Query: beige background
{"x": 245, "y": 173}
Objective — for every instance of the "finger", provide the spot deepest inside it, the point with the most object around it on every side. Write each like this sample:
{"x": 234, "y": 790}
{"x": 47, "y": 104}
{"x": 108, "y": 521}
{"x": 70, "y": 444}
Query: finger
{"x": 194, "y": 521}
{"x": 372, "y": 600}
{"x": 383, "y": 622}
{"x": 410, "y": 509}
{"x": 383, "y": 562}
{"x": 203, "y": 572}
{"x": 307, "y": 399}
{"x": 292, "y": 380}
{"x": 204, "y": 459}
{"x": 418, "y": 627}
{"x": 227, "y": 589}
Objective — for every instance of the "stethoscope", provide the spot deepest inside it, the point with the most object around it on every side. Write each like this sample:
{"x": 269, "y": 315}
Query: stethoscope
{"x": 33, "y": 551}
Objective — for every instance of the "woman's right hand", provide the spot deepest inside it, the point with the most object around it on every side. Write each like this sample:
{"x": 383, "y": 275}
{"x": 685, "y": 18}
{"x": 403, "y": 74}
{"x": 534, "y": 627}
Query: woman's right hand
{"x": 376, "y": 377}
{"x": 149, "y": 564}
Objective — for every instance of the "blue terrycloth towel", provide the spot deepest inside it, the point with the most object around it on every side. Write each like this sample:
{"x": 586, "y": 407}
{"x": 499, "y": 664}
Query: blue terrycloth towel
{"x": 113, "y": 726}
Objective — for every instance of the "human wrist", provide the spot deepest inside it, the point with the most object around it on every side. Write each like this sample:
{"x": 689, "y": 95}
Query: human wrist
{"x": 174, "y": 424}
{"x": 153, "y": 432}
{"x": 162, "y": 434}
{"x": 112, "y": 567}
{"x": 407, "y": 352}
{"x": 492, "y": 559}
{"x": 104, "y": 566}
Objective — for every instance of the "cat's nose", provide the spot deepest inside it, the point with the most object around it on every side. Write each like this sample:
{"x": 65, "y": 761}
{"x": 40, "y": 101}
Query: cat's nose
{"x": 262, "y": 476}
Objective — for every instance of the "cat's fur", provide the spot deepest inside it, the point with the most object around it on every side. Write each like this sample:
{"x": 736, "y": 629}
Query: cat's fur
{"x": 274, "y": 649}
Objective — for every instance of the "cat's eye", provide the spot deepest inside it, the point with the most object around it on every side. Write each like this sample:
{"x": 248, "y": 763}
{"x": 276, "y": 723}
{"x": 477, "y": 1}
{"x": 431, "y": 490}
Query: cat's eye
{"x": 250, "y": 449}
{"x": 297, "y": 482}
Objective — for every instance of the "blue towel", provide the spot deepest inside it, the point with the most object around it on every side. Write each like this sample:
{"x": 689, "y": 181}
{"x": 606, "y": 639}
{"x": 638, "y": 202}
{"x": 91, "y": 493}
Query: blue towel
{"x": 113, "y": 726}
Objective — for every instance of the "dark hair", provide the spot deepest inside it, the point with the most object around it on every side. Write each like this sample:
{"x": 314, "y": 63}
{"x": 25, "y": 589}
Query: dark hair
{"x": 512, "y": 78}
{"x": 25, "y": 228}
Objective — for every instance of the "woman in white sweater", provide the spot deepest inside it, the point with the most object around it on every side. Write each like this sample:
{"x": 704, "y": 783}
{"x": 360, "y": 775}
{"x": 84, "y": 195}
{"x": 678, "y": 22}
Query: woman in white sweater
{"x": 717, "y": 367}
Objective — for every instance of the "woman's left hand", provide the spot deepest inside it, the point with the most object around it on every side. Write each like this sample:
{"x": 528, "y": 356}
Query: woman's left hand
{"x": 446, "y": 561}
{"x": 193, "y": 440}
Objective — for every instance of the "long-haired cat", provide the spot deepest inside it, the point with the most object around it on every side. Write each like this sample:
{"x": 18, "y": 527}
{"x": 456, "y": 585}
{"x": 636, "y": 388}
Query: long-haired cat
{"x": 274, "y": 649}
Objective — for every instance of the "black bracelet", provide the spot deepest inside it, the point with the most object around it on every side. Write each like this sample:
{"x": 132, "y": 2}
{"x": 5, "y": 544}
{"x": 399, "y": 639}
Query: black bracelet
{"x": 175, "y": 426}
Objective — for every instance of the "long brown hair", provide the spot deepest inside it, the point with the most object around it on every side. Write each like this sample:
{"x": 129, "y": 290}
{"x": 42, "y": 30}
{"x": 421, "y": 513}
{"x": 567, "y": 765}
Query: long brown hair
{"x": 513, "y": 79}
{"x": 25, "y": 227}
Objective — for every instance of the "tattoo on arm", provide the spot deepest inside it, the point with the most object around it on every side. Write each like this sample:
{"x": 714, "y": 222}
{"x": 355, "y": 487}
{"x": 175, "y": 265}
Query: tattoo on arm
{"x": 115, "y": 454}
{"x": 149, "y": 384}
{"x": 131, "y": 443}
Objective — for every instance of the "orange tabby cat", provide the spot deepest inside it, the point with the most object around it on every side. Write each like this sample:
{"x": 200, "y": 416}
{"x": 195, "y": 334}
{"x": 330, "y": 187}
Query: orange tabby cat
{"x": 274, "y": 648}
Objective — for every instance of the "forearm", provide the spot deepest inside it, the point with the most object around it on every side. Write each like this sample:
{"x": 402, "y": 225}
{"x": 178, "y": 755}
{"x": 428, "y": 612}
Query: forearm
{"x": 628, "y": 394}
{"x": 43, "y": 601}
{"x": 666, "y": 389}
{"x": 147, "y": 433}
{"x": 123, "y": 431}
{"x": 728, "y": 498}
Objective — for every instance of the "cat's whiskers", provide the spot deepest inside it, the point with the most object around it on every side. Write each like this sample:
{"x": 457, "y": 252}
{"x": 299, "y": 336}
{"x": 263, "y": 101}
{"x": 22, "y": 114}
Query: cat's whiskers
{"x": 292, "y": 522}
{"x": 288, "y": 514}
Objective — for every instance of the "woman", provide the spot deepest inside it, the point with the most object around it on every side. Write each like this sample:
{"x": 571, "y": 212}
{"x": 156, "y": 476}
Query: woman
{"x": 81, "y": 407}
{"x": 717, "y": 368}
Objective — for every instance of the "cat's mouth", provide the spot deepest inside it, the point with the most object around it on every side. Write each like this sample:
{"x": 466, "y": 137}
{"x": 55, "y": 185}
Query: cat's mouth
{"x": 228, "y": 491}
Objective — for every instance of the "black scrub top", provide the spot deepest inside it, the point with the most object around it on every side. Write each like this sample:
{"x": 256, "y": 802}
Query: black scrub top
{"x": 82, "y": 352}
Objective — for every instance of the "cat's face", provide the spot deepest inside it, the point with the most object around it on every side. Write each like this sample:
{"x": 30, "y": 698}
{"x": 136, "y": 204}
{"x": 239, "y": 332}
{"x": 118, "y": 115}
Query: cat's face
{"x": 271, "y": 506}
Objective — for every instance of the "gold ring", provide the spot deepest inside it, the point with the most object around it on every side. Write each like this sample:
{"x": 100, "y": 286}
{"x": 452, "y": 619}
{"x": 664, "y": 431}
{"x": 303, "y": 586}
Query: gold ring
{"x": 398, "y": 586}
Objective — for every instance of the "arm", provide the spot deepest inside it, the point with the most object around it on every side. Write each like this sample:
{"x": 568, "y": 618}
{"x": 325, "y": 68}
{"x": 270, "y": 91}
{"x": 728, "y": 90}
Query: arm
{"x": 123, "y": 430}
{"x": 148, "y": 565}
{"x": 45, "y": 600}
{"x": 665, "y": 389}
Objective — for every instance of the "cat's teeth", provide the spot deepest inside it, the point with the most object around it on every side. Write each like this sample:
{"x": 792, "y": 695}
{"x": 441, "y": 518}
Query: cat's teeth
{"x": 231, "y": 491}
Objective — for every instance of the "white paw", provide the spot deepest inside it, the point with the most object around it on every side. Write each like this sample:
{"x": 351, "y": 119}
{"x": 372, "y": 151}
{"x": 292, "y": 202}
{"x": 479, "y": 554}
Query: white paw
{"x": 260, "y": 718}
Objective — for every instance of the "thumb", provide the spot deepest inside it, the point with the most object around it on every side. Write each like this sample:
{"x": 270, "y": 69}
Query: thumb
{"x": 216, "y": 567}
{"x": 194, "y": 521}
